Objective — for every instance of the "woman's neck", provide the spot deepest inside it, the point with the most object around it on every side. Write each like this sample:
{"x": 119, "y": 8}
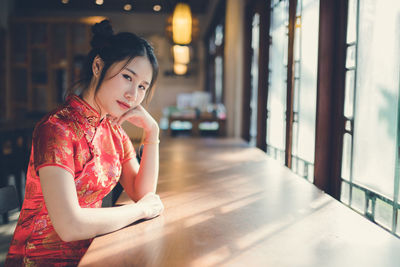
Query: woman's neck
{"x": 89, "y": 97}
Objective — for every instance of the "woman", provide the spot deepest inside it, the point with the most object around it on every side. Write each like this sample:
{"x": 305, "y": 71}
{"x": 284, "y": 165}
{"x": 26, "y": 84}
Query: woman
{"x": 80, "y": 152}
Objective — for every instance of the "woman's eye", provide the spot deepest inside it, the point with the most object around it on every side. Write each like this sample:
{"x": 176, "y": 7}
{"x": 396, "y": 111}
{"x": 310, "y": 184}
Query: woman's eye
{"x": 127, "y": 77}
{"x": 142, "y": 87}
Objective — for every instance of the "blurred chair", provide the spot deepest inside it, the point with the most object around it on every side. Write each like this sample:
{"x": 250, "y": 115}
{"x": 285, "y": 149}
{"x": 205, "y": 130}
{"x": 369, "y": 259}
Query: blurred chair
{"x": 14, "y": 156}
{"x": 8, "y": 201}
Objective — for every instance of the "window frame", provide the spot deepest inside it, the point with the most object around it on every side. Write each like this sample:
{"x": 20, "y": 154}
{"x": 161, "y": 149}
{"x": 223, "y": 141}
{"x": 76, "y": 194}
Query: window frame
{"x": 209, "y": 66}
{"x": 251, "y": 8}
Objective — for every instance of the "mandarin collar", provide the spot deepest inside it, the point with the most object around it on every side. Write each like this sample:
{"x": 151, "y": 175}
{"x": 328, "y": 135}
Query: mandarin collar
{"x": 88, "y": 115}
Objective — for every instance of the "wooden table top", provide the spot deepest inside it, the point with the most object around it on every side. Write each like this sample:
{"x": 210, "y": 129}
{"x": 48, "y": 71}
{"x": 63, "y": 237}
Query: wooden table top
{"x": 230, "y": 205}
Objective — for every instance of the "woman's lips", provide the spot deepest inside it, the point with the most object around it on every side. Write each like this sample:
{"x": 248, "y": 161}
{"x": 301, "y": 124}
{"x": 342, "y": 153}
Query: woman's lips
{"x": 123, "y": 105}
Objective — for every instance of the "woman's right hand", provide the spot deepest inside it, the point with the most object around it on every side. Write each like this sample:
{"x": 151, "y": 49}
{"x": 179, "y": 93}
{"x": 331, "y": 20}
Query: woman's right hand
{"x": 151, "y": 205}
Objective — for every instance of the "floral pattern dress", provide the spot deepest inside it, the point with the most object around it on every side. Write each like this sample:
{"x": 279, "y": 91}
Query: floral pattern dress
{"x": 73, "y": 138}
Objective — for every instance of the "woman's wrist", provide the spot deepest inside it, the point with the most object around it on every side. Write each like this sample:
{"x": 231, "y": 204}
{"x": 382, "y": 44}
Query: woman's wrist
{"x": 152, "y": 134}
{"x": 155, "y": 142}
{"x": 142, "y": 210}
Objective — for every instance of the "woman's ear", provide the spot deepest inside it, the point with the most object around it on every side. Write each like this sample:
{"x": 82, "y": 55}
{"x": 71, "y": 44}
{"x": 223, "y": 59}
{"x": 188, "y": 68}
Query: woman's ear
{"x": 97, "y": 66}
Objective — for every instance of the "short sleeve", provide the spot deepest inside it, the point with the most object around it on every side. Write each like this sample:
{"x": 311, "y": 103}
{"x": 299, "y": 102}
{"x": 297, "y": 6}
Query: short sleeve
{"x": 52, "y": 146}
{"x": 129, "y": 150}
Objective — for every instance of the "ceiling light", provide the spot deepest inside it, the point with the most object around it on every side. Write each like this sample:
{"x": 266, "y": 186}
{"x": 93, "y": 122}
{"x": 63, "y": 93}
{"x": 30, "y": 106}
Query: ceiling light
{"x": 99, "y": 2}
{"x": 181, "y": 54}
{"x": 156, "y": 8}
{"x": 182, "y": 24}
{"x": 92, "y": 20}
{"x": 128, "y": 7}
{"x": 180, "y": 69}
{"x": 64, "y": 1}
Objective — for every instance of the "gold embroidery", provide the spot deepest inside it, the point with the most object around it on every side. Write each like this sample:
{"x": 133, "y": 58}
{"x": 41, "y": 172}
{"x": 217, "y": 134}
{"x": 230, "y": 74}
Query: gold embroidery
{"x": 30, "y": 246}
{"x": 29, "y": 263}
{"x": 52, "y": 241}
{"x": 30, "y": 190}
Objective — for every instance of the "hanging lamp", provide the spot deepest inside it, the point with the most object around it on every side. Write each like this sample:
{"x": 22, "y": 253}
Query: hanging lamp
{"x": 182, "y": 24}
{"x": 180, "y": 69}
{"x": 181, "y": 54}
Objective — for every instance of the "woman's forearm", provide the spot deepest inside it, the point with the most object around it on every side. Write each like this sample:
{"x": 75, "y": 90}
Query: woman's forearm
{"x": 88, "y": 222}
{"x": 147, "y": 176}
{"x": 72, "y": 222}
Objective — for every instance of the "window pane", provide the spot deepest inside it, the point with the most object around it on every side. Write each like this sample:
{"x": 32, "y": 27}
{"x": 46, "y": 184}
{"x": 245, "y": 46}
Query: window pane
{"x": 383, "y": 213}
{"x": 347, "y": 126}
{"x": 254, "y": 77}
{"x": 345, "y": 193}
{"x": 219, "y": 35}
{"x": 296, "y": 98}
{"x": 307, "y": 91}
{"x": 295, "y": 132}
{"x": 377, "y": 92}
{"x": 297, "y": 40}
{"x": 352, "y": 21}
{"x": 398, "y": 222}
{"x": 358, "y": 200}
{"x": 277, "y": 91}
{"x": 346, "y": 157}
{"x": 349, "y": 94}
{"x": 310, "y": 172}
{"x": 218, "y": 79}
{"x": 211, "y": 45}
{"x": 351, "y": 56}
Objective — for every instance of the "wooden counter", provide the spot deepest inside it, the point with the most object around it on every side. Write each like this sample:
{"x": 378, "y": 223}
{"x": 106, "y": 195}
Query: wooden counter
{"x": 230, "y": 205}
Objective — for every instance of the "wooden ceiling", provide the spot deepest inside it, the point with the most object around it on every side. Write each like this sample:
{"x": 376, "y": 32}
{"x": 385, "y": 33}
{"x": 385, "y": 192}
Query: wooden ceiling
{"x": 138, "y": 6}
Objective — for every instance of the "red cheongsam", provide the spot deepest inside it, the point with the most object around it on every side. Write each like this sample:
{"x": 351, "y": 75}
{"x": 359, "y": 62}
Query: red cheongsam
{"x": 73, "y": 138}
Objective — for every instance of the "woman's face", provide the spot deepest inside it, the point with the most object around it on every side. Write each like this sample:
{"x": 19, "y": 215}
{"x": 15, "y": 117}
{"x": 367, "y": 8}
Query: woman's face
{"x": 124, "y": 89}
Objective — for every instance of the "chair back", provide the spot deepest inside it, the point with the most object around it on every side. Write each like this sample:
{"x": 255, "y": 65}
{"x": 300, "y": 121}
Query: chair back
{"x": 8, "y": 199}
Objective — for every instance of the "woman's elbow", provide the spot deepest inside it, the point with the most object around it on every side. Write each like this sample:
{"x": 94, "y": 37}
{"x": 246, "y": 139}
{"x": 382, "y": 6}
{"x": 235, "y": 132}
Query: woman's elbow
{"x": 65, "y": 235}
{"x": 69, "y": 231}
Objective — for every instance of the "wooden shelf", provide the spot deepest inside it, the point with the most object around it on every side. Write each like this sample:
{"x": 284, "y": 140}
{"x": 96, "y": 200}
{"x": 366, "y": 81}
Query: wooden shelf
{"x": 39, "y": 46}
{"x": 59, "y": 66}
{"x": 20, "y": 104}
{"x": 48, "y": 66}
{"x": 39, "y": 86}
{"x": 20, "y": 65}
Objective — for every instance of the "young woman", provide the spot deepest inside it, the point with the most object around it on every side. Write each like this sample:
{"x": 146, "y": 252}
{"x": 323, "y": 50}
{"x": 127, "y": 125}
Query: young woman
{"x": 80, "y": 152}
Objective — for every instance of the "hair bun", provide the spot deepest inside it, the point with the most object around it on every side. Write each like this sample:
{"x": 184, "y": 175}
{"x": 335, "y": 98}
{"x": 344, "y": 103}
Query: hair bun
{"x": 102, "y": 32}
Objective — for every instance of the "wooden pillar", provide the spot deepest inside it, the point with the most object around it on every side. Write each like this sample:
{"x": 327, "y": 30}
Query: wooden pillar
{"x": 263, "y": 8}
{"x": 290, "y": 83}
{"x": 330, "y": 96}
{"x": 247, "y": 52}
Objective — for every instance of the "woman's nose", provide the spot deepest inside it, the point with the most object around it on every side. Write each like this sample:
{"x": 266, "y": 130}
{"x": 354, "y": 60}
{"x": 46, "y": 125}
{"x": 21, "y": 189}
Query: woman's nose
{"x": 132, "y": 93}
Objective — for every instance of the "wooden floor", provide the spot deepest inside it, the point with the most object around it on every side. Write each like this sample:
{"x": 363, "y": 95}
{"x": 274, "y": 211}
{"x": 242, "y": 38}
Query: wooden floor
{"x": 230, "y": 205}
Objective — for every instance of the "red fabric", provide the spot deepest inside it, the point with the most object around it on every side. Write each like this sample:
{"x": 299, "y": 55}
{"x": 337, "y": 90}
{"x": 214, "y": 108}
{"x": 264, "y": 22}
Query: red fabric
{"x": 72, "y": 137}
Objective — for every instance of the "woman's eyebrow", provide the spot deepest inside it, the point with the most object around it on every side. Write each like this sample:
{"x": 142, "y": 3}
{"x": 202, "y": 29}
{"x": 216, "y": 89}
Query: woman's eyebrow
{"x": 134, "y": 73}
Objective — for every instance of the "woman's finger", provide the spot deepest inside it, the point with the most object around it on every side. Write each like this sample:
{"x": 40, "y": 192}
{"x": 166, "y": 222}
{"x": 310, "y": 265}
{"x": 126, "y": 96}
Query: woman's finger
{"x": 126, "y": 115}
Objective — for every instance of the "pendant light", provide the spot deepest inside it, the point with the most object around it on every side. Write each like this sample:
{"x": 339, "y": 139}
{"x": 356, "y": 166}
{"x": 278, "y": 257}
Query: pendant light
{"x": 181, "y": 54}
{"x": 180, "y": 69}
{"x": 182, "y": 24}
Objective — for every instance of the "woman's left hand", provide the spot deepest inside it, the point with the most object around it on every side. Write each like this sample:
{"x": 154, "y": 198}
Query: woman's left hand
{"x": 139, "y": 117}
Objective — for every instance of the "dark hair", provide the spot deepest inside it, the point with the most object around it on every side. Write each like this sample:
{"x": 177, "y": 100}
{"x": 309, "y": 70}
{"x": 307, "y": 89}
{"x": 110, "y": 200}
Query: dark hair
{"x": 113, "y": 48}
